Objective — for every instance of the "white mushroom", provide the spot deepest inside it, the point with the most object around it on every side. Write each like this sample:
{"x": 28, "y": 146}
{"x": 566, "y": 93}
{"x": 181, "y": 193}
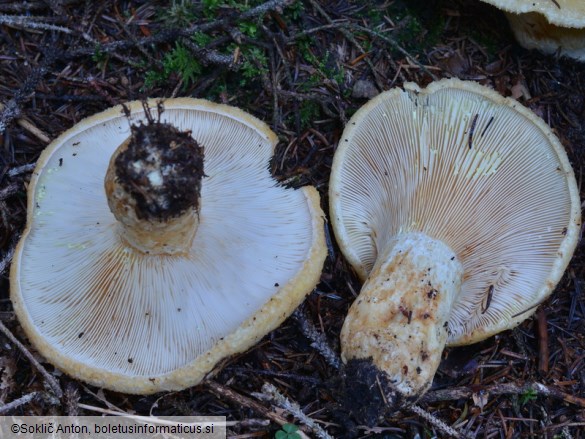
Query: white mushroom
{"x": 460, "y": 210}
{"x": 547, "y": 25}
{"x": 152, "y": 301}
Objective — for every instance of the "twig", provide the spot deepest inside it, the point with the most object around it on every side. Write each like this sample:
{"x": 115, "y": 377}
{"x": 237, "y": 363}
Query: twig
{"x": 241, "y": 400}
{"x": 566, "y": 433}
{"x": 293, "y": 38}
{"x": 11, "y": 109}
{"x": 18, "y": 402}
{"x": 28, "y": 22}
{"x": 7, "y": 258}
{"x": 9, "y": 112}
{"x": 207, "y": 56}
{"x": 71, "y": 399}
{"x": 319, "y": 341}
{"x": 173, "y": 34}
{"x": 39, "y": 134}
{"x": 307, "y": 380}
{"x": 347, "y": 34}
{"x": 396, "y": 46}
{"x": 271, "y": 393}
{"x": 501, "y": 389}
{"x": 263, "y": 9}
{"x": 24, "y": 169}
{"x": 50, "y": 379}
{"x": 436, "y": 422}
{"x": 154, "y": 419}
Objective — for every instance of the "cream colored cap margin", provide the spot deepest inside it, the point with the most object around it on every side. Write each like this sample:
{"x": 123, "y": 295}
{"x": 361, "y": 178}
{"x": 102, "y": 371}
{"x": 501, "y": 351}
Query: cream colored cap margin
{"x": 568, "y": 13}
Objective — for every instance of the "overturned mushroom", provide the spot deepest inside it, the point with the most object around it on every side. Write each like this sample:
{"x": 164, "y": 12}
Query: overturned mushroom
{"x": 547, "y": 25}
{"x": 460, "y": 210}
{"x": 200, "y": 256}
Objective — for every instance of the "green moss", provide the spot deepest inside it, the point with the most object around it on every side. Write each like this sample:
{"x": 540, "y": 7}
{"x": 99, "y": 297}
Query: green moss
{"x": 201, "y": 39}
{"x": 178, "y": 61}
{"x": 528, "y": 396}
{"x": 248, "y": 28}
{"x": 309, "y": 111}
{"x": 179, "y": 13}
{"x": 254, "y": 65}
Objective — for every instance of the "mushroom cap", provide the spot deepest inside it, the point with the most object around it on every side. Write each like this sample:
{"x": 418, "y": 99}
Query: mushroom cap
{"x": 533, "y": 31}
{"x": 565, "y": 13}
{"x": 464, "y": 165}
{"x": 108, "y": 314}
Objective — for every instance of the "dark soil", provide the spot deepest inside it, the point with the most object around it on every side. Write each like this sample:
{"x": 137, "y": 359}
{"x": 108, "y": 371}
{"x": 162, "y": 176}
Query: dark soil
{"x": 304, "y": 67}
{"x": 155, "y": 146}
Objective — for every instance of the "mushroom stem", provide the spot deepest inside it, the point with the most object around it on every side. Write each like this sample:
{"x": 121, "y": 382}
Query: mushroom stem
{"x": 400, "y": 320}
{"x": 153, "y": 186}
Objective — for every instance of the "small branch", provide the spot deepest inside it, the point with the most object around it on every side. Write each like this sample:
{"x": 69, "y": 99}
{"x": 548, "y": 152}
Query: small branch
{"x": 7, "y": 258}
{"x": 566, "y": 433}
{"x": 50, "y": 379}
{"x": 9, "y": 112}
{"x": 293, "y": 38}
{"x": 243, "y": 401}
{"x": 307, "y": 380}
{"x": 271, "y": 393}
{"x": 27, "y": 22}
{"x": 264, "y": 8}
{"x": 319, "y": 341}
{"x": 396, "y": 46}
{"x": 434, "y": 421}
{"x": 18, "y": 402}
{"x": 11, "y": 109}
{"x": 347, "y": 34}
{"x": 153, "y": 419}
{"x": 39, "y": 134}
{"x": 71, "y": 399}
{"x": 24, "y": 169}
{"x": 173, "y": 34}
{"x": 501, "y": 389}
{"x": 207, "y": 56}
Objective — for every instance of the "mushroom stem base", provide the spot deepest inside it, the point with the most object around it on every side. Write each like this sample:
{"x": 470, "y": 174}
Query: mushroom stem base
{"x": 172, "y": 237}
{"x": 153, "y": 187}
{"x": 400, "y": 321}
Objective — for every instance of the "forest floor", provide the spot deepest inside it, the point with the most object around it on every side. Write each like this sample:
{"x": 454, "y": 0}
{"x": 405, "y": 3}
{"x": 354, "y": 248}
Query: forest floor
{"x": 304, "y": 67}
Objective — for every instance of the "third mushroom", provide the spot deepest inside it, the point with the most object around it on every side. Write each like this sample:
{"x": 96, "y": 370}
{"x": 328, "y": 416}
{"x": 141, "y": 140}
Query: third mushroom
{"x": 460, "y": 211}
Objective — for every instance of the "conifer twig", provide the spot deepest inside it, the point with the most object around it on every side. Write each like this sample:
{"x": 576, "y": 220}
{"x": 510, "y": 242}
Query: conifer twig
{"x": 271, "y": 393}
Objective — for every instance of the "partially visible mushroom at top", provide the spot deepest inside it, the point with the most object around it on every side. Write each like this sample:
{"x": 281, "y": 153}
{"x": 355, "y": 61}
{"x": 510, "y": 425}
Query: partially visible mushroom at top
{"x": 152, "y": 252}
{"x": 460, "y": 211}
{"x": 550, "y": 26}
